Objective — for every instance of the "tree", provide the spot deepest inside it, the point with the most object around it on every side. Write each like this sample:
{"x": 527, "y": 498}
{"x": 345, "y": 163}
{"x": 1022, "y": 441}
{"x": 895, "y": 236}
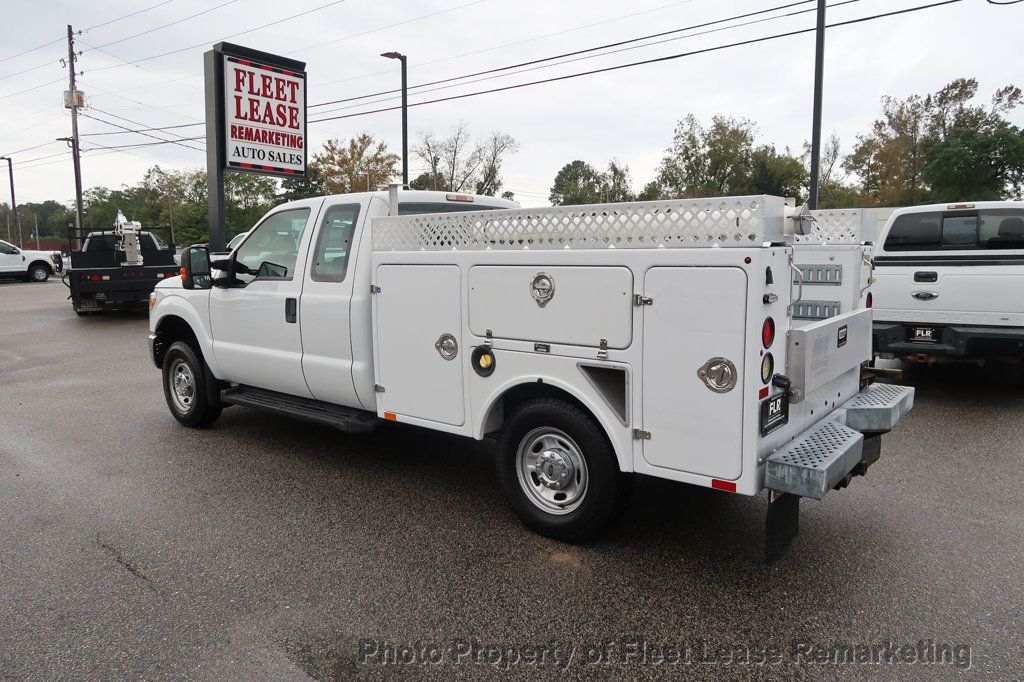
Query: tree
{"x": 355, "y": 166}
{"x": 777, "y": 174}
{"x": 576, "y": 183}
{"x": 941, "y": 147}
{"x": 652, "y": 191}
{"x": 247, "y": 197}
{"x": 462, "y": 165}
{"x": 580, "y": 183}
{"x": 616, "y": 185}
{"x": 312, "y": 184}
{"x": 713, "y": 161}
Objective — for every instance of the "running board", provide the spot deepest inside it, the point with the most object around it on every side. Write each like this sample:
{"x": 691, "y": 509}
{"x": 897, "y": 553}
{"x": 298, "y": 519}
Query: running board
{"x": 342, "y": 418}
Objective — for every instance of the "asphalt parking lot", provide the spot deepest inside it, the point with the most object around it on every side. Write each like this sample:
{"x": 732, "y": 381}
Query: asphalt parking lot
{"x": 264, "y": 548}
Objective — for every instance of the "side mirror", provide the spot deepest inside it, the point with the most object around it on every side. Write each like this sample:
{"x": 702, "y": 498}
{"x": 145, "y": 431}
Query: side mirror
{"x": 195, "y": 268}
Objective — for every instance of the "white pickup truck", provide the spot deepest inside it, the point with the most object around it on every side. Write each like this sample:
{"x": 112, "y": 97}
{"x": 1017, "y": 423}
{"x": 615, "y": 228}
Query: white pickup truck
{"x": 596, "y": 342}
{"x": 950, "y": 283}
{"x": 34, "y": 266}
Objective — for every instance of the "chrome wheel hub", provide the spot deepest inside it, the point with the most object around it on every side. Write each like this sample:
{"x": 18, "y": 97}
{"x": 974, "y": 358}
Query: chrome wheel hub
{"x": 554, "y": 470}
{"x": 551, "y": 470}
{"x": 183, "y": 386}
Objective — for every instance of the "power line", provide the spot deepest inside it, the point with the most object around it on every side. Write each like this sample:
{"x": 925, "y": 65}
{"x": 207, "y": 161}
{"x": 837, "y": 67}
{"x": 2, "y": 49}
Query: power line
{"x": 645, "y": 61}
{"x": 233, "y": 35}
{"x": 179, "y": 142}
{"x": 514, "y": 43}
{"x": 382, "y": 28}
{"x": 542, "y": 65}
{"x": 41, "y": 85}
{"x": 144, "y": 144}
{"x": 126, "y": 16}
{"x": 33, "y": 49}
{"x": 27, "y": 149}
{"x": 128, "y": 120}
{"x": 49, "y": 62}
{"x": 173, "y": 23}
{"x": 573, "y": 53}
{"x": 139, "y": 130}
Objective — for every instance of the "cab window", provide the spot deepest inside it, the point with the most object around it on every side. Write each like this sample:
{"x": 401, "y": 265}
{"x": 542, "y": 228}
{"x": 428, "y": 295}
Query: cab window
{"x": 7, "y": 248}
{"x": 271, "y": 250}
{"x": 996, "y": 228}
{"x": 334, "y": 243}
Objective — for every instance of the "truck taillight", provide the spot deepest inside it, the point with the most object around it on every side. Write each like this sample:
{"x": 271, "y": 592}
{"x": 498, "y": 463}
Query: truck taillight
{"x": 768, "y": 332}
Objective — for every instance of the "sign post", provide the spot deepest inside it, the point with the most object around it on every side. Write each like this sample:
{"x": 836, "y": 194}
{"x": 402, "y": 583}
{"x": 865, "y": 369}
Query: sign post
{"x": 255, "y": 121}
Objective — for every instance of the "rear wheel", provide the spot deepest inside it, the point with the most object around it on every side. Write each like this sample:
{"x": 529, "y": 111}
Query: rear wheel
{"x": 38, "y": 273}
{"x": 559, "y": 470}
{"x": 186, "y": 386}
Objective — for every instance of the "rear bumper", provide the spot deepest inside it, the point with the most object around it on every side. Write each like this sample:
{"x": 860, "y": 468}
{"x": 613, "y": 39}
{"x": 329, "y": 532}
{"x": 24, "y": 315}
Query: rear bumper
{"x": 841, "y": 446}
{"x": 952, "y": 341}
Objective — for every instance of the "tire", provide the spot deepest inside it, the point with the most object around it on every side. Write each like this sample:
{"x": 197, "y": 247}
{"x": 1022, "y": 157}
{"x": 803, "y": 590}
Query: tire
{"x": 37, "y": 272}
{"x": 545, "y": 441}
{"x": 187, "y": 387}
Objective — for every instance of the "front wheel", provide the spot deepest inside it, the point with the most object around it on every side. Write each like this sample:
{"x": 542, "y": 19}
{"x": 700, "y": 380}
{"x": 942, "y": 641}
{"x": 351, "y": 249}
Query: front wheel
{"x": 38, "y": 273}
{"x": 185, "y": 386}
{"x": 559, "y": 470}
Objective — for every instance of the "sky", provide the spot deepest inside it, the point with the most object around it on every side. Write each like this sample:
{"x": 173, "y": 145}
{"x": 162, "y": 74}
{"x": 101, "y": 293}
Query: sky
{"x": 626, "y": 114}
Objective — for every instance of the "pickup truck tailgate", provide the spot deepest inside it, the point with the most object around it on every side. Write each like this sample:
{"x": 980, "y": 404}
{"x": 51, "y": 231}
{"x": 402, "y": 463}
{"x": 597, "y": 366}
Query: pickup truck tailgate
{"x": 822, "y": 351}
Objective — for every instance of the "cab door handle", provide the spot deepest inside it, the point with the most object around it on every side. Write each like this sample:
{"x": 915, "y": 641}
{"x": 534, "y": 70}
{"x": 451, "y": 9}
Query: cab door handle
{"x": 291, "y": 310}
{"x": 926, "y": 276}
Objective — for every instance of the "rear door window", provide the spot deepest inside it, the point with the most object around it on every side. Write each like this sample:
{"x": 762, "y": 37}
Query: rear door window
{"x": 334, "y": 243}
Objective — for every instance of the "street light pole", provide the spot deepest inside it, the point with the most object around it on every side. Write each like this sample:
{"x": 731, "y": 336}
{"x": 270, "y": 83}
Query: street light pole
{"x": 405, "y": 116}
{"x": 14, "y": 203}
{"x": 819, "y": 58}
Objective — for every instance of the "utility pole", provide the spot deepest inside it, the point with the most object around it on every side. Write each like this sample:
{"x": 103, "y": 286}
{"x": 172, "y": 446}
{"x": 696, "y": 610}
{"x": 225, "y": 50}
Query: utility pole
{"x": 819, "y": 58}
{"x": 14, "y": 204}
{"x": 35, "y": 217}
{"x": 73, "y": 102}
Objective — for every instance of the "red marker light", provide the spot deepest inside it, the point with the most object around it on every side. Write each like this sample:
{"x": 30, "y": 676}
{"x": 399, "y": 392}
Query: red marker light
{"x": 768, "y": 332}
{"x": 727, "y": 486}
{"x": 869, "y": 300}
{"x": 763, "y": 393}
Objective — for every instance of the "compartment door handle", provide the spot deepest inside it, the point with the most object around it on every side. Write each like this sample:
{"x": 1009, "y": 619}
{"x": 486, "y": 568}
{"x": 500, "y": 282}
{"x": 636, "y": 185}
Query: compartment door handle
{"x": 926, "y": 276}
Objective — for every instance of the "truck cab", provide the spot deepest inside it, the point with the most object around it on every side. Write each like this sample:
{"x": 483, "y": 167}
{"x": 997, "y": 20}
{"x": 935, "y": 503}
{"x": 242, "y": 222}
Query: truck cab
{"x": 950, "y": 283}
{"x": 247, "y": 324}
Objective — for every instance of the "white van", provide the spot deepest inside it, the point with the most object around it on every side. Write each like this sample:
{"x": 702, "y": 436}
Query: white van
{"x": 949, "y": 283}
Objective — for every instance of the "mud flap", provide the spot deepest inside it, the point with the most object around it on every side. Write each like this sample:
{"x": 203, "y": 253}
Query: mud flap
{"x": 782, "y": 524}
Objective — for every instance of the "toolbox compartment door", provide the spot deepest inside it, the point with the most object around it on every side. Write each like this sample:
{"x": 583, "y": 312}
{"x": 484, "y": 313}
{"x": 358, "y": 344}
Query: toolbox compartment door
{"x": 588, "y": 303}
{"x": 416, "y": 306}
{"x": 697, "y": 313}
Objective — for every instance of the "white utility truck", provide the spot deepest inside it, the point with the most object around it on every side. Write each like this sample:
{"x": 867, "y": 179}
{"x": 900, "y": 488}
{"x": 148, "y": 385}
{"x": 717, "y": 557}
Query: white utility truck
{"x": 595, "y": 342}
{"x": 950, "y": 283}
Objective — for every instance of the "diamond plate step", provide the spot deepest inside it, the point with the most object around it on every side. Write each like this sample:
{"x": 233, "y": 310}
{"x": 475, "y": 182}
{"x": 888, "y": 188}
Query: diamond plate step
{"x": 878, "y": 407}
{"x": 813, "y": 463}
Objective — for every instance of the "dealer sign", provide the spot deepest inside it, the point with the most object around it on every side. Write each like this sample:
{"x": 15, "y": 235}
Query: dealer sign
{"x": 264, "y": 117}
